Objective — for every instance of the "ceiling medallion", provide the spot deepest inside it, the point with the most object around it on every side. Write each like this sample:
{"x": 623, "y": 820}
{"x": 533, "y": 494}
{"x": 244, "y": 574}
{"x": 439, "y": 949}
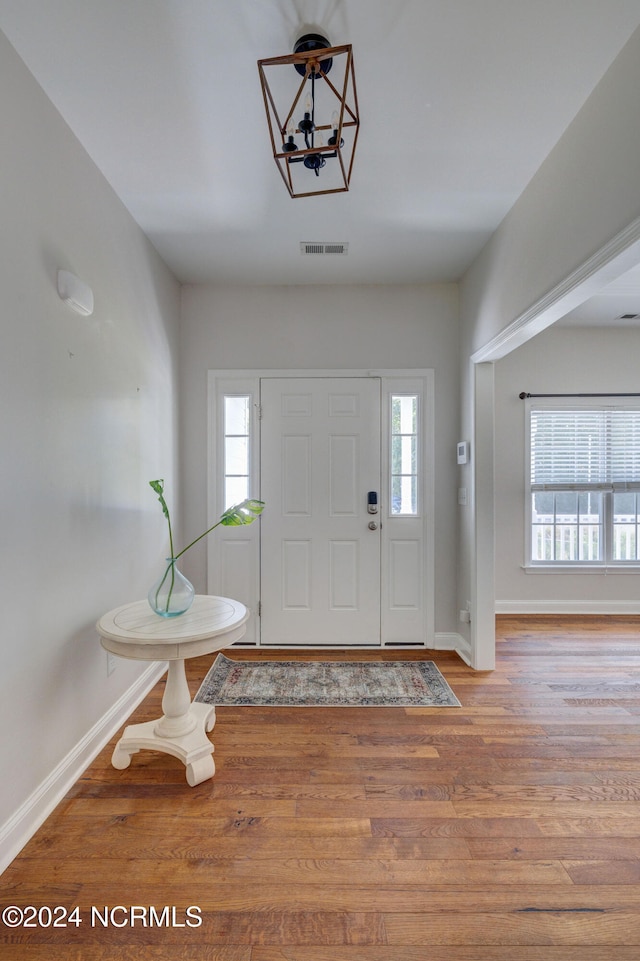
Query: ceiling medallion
{"x": 313, "y": 121}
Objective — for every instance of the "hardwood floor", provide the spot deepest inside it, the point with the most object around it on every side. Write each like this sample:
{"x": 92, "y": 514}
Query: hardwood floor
{"x": 505, "y": 830}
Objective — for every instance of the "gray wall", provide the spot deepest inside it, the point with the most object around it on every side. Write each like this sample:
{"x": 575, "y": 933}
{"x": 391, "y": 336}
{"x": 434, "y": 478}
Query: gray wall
{"x": 584, "y": 195}
{"x": 88, "y": 416}
{"x": 577, "y": 209}
{"x": 323, "y": 327}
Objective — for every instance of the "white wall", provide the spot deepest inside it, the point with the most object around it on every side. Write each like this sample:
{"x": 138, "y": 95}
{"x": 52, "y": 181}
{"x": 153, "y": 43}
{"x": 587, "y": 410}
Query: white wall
{"x": 88, "y": 417}
{"x": 584, "y": 195}
{"x": 322, "y": 327}
{"x": 563, "y": 360}
{"x": 571, "y": 222}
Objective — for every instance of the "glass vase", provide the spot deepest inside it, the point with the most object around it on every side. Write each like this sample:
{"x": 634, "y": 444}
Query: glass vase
{"x": 172, "y": 594}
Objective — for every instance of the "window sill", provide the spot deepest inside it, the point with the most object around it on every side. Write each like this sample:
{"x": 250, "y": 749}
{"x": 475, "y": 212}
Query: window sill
{"x": 581, "y": 569}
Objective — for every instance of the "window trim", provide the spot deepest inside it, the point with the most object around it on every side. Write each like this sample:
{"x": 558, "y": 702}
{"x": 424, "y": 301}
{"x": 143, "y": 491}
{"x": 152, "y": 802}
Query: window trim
{"x": 418, "y": 397}
{"x": 606, "y": 564}
{"x": 249, "y": 436}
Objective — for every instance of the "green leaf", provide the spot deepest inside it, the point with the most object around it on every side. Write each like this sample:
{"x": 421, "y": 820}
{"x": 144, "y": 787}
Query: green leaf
{"x": 244, "y": 513}
{"x": 158, "y": 487}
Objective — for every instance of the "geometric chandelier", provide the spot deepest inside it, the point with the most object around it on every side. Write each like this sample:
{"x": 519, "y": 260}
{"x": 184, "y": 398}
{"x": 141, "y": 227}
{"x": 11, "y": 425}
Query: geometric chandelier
{"x": 313, "y": 118}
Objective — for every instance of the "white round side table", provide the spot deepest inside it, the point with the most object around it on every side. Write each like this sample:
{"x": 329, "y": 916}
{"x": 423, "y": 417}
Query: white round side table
{"x": 136, "y": 632}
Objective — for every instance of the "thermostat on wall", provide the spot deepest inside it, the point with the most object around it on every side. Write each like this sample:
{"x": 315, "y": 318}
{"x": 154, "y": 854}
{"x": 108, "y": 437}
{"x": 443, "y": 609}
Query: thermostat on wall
{"x": 462, "y": 450}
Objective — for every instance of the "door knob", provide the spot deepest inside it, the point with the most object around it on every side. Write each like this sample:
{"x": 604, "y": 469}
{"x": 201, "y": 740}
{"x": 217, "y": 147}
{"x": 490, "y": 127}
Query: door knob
{"x": 373, "y": 526}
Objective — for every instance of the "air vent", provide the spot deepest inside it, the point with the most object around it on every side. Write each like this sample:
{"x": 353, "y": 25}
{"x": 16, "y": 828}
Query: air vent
{"x": 628, "y": 316}
{"x": 313, "y": 247}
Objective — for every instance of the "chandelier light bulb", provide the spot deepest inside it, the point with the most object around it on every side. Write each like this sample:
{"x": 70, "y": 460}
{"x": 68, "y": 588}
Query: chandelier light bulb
{"x": 290, "y": 145}
{"x": 335, "y": 122}
{"x": 306, "y": 125}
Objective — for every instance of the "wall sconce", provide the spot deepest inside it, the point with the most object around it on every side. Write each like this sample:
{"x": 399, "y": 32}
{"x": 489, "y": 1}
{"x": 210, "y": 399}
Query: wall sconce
{"x": 75, "y": 293}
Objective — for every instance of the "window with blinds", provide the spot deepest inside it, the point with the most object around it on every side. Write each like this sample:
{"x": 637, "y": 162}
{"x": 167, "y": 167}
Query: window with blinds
{"x": 585, "y": 485}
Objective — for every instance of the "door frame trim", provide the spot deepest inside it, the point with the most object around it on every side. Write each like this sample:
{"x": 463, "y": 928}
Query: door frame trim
{"x": 247, "y": 378}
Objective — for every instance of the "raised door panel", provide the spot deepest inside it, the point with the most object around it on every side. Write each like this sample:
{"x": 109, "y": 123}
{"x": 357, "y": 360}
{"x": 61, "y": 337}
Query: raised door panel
{"x": 320, "y": 455}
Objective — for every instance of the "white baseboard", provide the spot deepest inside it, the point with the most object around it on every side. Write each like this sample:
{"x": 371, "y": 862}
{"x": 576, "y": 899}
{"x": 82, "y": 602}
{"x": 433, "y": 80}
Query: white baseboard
{"x": 567, "y": 607}
{"x": 454, "y": 642}
{"x": 22, "y": 825}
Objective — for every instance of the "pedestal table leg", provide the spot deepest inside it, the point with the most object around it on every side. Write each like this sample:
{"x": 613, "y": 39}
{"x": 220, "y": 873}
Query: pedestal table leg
{"x": 178, "y": 718}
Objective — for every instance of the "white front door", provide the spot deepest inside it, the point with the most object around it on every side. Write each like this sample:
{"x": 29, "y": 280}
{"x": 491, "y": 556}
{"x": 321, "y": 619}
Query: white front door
{"x": 320, "y": 545}
{"x": 311, "y": 564}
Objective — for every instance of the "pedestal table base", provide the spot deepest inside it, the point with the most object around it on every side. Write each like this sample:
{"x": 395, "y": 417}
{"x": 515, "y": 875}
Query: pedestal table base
{"x": 135, "y": 631}
{"x": 194, "y": 749}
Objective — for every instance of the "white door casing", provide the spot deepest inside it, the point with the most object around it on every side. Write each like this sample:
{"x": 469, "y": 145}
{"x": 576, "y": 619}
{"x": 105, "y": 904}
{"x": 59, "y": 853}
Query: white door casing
{"x": 405, "y": 550}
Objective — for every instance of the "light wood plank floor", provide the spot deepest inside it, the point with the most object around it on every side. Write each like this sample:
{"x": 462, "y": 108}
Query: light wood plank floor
{"x": 507, "y": 830}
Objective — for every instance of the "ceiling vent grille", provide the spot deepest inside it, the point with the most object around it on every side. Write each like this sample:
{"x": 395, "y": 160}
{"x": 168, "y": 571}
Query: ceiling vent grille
{"x": 315, "y": 248}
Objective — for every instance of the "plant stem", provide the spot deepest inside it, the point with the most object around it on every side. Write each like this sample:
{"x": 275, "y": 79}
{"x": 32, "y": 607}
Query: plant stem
{"x": 217, "y": 524}
{"x": 170, "y": 534}
{"x": 171, "y": 565}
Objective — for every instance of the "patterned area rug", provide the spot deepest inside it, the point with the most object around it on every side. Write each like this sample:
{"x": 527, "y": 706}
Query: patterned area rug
{"x": 326, "y": 684}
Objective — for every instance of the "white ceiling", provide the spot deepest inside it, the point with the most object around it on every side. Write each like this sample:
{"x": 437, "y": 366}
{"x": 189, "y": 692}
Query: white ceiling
{"x": 460, "y": 102}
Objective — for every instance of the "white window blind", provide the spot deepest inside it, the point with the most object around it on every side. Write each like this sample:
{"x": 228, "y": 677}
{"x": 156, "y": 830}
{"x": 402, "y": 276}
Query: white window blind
{"x": 585, "y": 449}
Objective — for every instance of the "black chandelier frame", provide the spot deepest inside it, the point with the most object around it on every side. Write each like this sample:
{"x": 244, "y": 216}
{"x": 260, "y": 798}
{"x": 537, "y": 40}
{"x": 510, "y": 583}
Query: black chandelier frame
{"x": 302, "y": 141}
